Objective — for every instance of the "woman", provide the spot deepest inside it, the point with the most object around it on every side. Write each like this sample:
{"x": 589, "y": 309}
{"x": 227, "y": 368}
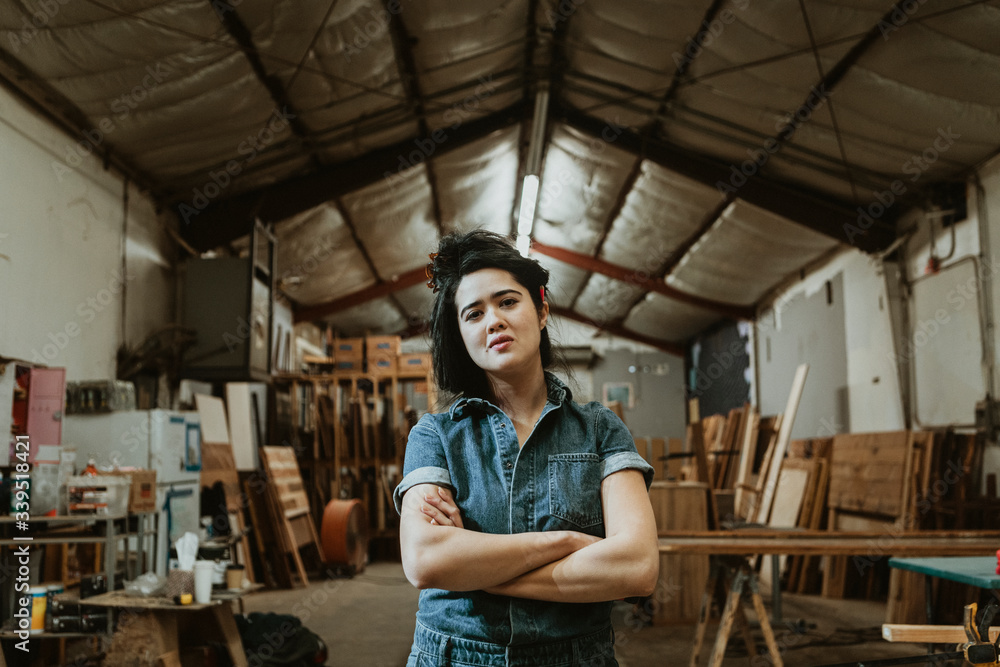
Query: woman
{"x": 522, "y": 513}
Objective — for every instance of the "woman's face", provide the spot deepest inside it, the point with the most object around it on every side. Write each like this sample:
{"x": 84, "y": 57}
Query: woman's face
{"x": 498, "y": 321}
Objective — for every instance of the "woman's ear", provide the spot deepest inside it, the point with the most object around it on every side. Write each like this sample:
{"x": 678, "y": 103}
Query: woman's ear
{"x": 543, "y": 315}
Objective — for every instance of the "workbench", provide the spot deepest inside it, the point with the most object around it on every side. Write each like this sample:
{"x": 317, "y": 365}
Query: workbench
{"x": 974, "y": 570}
{"x": 730, "y": 550}
{"x": 169, "y": 620}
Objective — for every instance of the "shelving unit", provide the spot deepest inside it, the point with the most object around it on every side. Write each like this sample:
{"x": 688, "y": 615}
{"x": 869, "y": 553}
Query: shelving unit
{"x": 349, "y": 429}
{"x": 115, "y": 530}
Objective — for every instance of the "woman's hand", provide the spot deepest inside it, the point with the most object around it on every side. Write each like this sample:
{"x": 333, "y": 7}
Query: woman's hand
{"x": 441, "y": 508}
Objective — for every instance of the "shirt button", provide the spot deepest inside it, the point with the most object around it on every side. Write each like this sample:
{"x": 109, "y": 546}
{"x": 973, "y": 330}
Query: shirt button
{"x": 510, "y": 465}
{"x": 503, "y": 426}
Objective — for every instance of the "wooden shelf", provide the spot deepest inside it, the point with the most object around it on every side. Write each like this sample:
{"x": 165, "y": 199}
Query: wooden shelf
{"x": 354, "y": 428}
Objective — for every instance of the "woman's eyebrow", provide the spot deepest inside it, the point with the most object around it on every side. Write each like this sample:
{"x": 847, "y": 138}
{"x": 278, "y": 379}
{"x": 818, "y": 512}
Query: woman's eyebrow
{"x": 495, "y": 295}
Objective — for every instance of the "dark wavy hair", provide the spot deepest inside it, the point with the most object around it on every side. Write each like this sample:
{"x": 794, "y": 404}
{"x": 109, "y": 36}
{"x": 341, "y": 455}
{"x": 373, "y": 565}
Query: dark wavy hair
{"x": 460, "y": 254}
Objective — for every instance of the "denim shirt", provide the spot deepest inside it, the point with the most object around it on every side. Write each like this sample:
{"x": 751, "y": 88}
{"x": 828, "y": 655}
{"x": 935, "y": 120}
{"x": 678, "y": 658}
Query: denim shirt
{"x": 553, "y": 482}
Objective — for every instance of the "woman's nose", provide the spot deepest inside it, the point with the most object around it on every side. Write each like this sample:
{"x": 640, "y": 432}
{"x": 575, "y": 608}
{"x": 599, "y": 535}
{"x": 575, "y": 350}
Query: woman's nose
{"x": 495, "y": 320}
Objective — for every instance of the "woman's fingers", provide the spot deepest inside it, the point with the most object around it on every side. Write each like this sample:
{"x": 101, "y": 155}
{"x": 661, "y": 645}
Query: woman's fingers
{"x": 447, "y": 504}
{"x": 446, "y": 511}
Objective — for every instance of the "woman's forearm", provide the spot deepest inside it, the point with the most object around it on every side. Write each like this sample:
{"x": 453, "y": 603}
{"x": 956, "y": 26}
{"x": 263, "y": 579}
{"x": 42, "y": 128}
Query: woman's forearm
{"x": 607, "y": 570}
{"x": 455, "y": 559}
{"x": 625, "y": 564}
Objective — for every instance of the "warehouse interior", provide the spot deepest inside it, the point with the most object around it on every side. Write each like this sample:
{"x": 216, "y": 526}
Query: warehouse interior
{"x": 772, "y": 237}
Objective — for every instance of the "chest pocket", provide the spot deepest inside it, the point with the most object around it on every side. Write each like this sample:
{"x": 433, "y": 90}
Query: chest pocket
{"x": 575, "y": 488}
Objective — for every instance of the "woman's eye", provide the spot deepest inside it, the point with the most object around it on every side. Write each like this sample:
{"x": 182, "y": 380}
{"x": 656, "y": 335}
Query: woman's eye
{"x": 472, "y": 315}
{"x": 508, "y": 302}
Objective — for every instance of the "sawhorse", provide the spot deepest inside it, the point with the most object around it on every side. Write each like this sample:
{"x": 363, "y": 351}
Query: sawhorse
{"x": 742, "y": 578}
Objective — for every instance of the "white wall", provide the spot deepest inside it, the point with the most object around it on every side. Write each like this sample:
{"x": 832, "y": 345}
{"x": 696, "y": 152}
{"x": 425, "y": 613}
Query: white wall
{"x": 61, "y": 242}
{"x": 873, "y": 397}
{"x": 876, "y": 399}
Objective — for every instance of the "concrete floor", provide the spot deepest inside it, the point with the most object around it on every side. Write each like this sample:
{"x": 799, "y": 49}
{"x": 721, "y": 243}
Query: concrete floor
{"x": 367, "y": 621}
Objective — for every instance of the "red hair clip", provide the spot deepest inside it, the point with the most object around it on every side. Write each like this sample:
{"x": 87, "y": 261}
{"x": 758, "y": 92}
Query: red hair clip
{"x": 542, "y": 291}
{"x": 429, "y": 272}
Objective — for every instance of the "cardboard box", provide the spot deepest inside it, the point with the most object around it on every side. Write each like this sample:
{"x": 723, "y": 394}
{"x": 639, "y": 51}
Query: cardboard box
{"x": 142, "y": 494}
{"x": 381, "y": 353}
{"x": 349, "y": 348}
{"x": 419, "y": 362}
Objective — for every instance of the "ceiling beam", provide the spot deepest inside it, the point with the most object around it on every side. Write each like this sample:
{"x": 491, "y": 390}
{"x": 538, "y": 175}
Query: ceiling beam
{"x": 238, "y": 30}
{"x": 809, "y": 208}
{"x": 352, "y": 228}
{"x": 643, "y": 280}
{"x": 228, "y": 219}
{"x": 407, "y": 67}
{"x": 676, "y": 349}
{"x": 376, "y": 291}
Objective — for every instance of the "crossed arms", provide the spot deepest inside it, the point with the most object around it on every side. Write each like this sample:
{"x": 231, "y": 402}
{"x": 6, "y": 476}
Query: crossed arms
{"x": 559, "y": 566}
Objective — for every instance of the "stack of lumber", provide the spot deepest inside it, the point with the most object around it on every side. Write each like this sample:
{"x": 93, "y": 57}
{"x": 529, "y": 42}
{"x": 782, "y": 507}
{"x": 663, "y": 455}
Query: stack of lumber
{"x": 668, "y": 456}
{"x": 800, "y": 502}
{"x": 901, "y": 482}
{"x": 682, "y": 578}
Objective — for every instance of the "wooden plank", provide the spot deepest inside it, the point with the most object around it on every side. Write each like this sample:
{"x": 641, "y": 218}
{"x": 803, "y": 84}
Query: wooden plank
{"x": 784, "y": 435}
{"x": 658, "y": 452}
{"x": 642, "y": 446}
{"x": 262, "y": 538}
{"x": 930, "y": 634}
{"x": 820, "y": 542}
{"x": 737, "y": 444}
{"x": 697, "y": 445}
{"x": 673, "y": 468}
{"x": 748, "y": 453}
{"x": 788, "y": 500}
{"x": 212, "y": 418}
{"x": 680, "y": 506}
{"x": 867, "y": 472}
{"x": 241, "y": 426}
{"x": 906, "y": 602}
{"x": 808, "y": 569}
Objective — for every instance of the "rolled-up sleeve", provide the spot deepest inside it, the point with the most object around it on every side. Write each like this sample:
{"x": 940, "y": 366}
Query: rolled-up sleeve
{"x": 425, "y": 461}
{"x": 616, "y": 447}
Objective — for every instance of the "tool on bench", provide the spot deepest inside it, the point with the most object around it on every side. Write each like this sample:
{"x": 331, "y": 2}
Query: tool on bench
{"x": 978, "y": 651}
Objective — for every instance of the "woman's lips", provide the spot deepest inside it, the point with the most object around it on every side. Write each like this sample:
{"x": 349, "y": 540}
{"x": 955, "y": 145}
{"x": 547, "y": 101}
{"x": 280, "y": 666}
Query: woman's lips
{"x": 501, "y": 343}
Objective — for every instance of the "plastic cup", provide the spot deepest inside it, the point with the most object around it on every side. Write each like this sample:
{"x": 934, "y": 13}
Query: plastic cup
{"x": 203, "y": 570}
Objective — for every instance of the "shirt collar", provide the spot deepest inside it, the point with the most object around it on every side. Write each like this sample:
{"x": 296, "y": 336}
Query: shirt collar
{"x": 558, "y": 392}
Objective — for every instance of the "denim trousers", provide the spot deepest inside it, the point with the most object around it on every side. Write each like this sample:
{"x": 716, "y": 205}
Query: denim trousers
{"x": 434, "y": 649}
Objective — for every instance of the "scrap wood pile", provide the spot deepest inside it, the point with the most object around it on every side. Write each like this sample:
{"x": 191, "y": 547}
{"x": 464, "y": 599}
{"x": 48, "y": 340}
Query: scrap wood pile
{"x": 884, "y": 482}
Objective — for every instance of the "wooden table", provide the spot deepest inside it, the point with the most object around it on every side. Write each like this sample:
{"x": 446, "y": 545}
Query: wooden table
{"x": 165, "y": 615}
{"x": 729, "y": 549}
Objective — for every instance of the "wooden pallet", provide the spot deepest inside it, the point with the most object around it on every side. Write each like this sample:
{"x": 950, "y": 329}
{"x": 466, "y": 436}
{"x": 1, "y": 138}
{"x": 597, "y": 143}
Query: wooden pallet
{"x": 289, "y": 505}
